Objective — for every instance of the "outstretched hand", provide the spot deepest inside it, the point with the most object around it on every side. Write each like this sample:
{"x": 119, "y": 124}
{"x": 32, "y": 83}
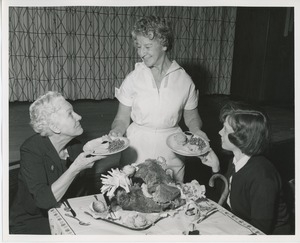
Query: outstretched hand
{"x": 85, "y": 160}
{"x": 211, "y": 159}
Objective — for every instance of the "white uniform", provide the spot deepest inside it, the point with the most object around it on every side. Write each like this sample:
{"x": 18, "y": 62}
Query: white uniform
{"x": 156, "y": 113}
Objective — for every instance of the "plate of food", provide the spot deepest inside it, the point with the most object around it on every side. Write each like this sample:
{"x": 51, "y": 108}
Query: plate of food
{"x": 106, "y": 145}
{"x": 187, "y": 144}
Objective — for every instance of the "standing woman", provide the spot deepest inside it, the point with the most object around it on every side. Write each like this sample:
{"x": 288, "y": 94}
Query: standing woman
{"x": 256, "y": 194}
{"x": 51, "y": 161}
{"x": 155, "y": 95}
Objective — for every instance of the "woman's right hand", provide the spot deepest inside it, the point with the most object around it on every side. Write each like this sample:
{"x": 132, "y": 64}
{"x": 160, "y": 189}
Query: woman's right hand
{"x": 121, "y": 121}
{"x": 115, "y": 133}
{"x": 211, "y": 159}
{"x": 85, "y": 160}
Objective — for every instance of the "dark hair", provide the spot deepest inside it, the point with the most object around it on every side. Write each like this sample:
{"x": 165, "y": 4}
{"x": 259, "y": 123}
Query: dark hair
{"x": 250, "y": 125}
{"x": 154, "y": 27}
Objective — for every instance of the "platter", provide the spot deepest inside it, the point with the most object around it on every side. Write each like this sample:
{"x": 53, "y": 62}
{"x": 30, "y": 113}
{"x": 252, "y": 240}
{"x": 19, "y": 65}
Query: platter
{"x": 106, "y": 145}
{"x": 151, "y": 220}
{"x": 186, "y": 148}
{"x": 126, "y": 218}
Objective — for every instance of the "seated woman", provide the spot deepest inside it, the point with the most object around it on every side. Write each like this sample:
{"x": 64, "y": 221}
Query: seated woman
{"x": 51, "y": 165}
{"x": 255, "y": 187}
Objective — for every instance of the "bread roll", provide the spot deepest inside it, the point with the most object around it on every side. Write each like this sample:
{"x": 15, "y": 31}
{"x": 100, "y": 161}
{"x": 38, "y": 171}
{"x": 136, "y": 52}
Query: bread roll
{"x": 99, "y": 206}
{"x": 180, "y": 139}
{"x": 140, "y": 221}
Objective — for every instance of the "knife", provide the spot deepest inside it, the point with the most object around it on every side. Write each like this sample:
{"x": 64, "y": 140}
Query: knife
{"x": 69, "y": 206}
{"x": 106, "y": 200}
{"x": 109, "y": 208}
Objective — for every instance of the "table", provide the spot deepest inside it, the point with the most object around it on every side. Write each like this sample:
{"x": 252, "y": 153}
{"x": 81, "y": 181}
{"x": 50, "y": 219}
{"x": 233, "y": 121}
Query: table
{"x": 222, "y": 222}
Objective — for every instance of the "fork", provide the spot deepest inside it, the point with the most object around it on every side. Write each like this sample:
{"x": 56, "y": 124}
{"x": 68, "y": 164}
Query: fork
{"x": 68, "y": 207}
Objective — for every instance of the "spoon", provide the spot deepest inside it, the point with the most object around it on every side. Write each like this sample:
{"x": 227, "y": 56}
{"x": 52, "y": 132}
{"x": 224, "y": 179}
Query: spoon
{"x": 80, "y": 222}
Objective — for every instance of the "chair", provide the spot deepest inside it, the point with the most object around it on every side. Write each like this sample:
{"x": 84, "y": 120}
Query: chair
{"x": 290, "y": 195}
{"x": 13, "y": 181}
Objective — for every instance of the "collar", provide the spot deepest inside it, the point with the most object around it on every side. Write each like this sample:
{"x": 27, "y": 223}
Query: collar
{"x": 174, "y": 66}
{"x": 241, "y": 162}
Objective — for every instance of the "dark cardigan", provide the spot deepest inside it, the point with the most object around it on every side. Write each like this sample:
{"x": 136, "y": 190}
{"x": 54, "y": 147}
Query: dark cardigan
{"x": 256, "y": 196}
{"x": 40, "y": 167}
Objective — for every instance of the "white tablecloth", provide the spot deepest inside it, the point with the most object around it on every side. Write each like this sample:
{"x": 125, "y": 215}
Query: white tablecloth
{"x": 220, "y": 223}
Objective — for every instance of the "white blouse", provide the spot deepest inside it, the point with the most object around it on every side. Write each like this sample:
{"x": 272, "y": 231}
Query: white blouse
{"x": 158, "y": 108}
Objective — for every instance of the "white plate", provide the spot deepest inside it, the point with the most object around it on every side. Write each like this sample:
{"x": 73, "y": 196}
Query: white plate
{"x": 96, "y": 143}
{"x": 184, "y": 150}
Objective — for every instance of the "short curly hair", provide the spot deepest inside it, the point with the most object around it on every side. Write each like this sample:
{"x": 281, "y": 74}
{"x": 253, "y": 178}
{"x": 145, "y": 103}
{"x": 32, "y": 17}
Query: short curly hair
{"x": 154, "y": 27}
{"x": 41, "y": 110}
{"x": 250, "y": 125}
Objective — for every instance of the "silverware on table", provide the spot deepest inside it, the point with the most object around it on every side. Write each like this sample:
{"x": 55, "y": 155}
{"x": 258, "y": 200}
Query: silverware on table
{"x": 209, "y": 213}
{"x": 88, "y": 213}
{"x": 66, "y": 208}
{"x": 67, "y": 204}
{"x": 80, "y": 221}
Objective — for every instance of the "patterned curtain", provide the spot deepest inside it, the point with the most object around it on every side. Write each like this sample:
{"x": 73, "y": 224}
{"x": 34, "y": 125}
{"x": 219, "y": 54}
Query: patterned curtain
{"x": 85, "y": 52}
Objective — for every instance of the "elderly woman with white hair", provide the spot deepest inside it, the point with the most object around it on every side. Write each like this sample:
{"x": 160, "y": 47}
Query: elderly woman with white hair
{"x": 51, "y": 165}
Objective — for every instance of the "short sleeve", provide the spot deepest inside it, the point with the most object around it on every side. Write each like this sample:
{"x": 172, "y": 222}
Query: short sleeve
{"x": 125, "y": 93}
{"x": 192, "y": 101}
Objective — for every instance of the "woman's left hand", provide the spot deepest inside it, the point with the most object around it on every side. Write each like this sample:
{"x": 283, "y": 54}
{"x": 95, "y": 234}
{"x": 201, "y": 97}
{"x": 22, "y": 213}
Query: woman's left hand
{"x": 84, "y": 161}
{"x": 211, "y": 159}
